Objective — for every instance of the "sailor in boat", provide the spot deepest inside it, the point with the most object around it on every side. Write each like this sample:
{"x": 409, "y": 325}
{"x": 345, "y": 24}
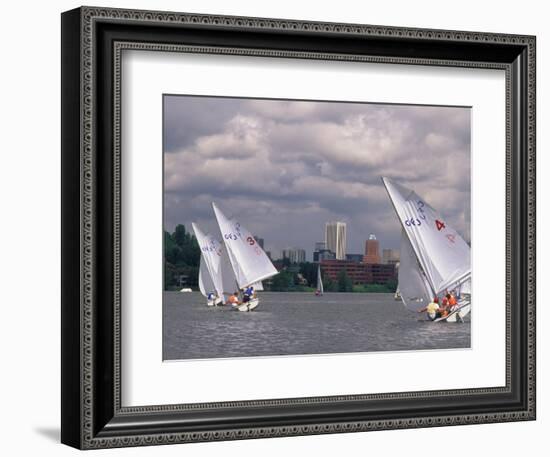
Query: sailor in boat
{"x": 248, "y": 294}
{"x": 212, "y": 298}
{"x": 432, "y": 309}
{"x": 452, "y": 301}
{"x": 445, "y": 307}
{"x": 233, "y": 299}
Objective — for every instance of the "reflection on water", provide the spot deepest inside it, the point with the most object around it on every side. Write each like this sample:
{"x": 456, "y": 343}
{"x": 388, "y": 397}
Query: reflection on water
{"x": 300, "y": 323}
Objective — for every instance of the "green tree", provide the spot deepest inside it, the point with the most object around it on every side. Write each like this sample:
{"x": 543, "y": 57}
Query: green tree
{"x": 181, "y": 257}
{"x": 171, "y": 249}
{"x": 391, "y": 285}
{"x": 180, "y": 235}
{"x": 344, "y": 282}
{"x": 309, "y": 271}
{"x": 282, "y": 282}
{"x": 329, "y": 285}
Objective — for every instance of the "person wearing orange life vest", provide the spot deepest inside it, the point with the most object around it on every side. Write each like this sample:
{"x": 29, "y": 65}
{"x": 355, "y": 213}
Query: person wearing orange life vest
{"x": 234, "y": 299}
{"x": 452, "y": 302}
{"x": 444, "y": 308}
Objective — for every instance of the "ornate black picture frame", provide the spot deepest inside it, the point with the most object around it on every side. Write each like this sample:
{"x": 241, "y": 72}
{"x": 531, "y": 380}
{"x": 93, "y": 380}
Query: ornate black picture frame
{"x": 92, "y": 42}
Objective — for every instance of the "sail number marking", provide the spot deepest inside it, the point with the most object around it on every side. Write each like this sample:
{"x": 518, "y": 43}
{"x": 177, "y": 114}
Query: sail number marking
{"x": 211, "y": 249}
{"x": 420, "y": 207}
{"x": 440, "y": 225}
{"x": 413, "y": 221}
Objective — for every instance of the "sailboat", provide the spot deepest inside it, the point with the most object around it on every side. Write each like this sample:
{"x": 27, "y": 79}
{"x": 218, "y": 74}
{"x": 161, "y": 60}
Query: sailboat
{"x": 320, "y": 289}
{"x": 215, "y": 274}
{"x": 434, "y": 258}
{"x": 397, "y": 294}
{"x": 249, "y": 262}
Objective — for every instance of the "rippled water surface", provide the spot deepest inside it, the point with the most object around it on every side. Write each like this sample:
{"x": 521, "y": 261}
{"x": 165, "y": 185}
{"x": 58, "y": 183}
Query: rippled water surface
{"x": 300, "y": 323}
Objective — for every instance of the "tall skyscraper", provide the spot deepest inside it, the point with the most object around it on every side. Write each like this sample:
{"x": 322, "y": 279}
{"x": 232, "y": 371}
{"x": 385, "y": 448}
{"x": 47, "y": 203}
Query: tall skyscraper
{"x": 372, "y": 250}
{"x": 335, "y": 239}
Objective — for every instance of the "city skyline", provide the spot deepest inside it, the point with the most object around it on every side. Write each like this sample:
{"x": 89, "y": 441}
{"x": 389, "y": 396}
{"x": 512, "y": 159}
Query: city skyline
{"x": 285, "y": 168}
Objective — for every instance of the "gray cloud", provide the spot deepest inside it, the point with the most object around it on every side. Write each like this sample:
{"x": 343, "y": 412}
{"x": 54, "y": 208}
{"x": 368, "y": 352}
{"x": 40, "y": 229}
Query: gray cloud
{"x": 287, "y": 167}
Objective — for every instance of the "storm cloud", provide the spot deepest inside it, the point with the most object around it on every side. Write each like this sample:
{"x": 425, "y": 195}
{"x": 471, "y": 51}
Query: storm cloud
{"x": 284, "y": 168}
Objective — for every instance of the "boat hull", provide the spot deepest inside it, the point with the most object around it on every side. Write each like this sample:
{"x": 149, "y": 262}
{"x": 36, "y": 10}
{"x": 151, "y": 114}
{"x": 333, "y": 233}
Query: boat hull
{"x": 216, "y": 302}
{"x": 248, "y": 306}
{"x": 457, "y": 315}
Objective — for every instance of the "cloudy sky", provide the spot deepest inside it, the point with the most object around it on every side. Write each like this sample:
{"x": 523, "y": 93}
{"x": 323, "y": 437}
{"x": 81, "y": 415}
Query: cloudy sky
{"x": 284, "y": 168}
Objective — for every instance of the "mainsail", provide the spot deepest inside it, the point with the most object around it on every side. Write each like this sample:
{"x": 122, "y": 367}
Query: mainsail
{"x": 206, "y": 284}
{"x": 414, "y": 288}
{"x": 249, "y": 261}
{"x": 320, "y": 289}
{"x": 258, "y": 286}
{"x": 215, "y": 262}
{"x": 442, "y": 256}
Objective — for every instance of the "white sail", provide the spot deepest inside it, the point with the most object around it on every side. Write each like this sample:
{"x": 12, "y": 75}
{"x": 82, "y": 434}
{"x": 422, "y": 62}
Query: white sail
{"x": 258, "y": 286}
{"x": 443, "y": 255}
{"x": 249, "y": 261}
{"x": 226, "y": 276}
{"x": 206, "y": 284}
{"x": 216, "y": 262}
{"x": 414, "y": 288}
{"x": 319, "y": 280}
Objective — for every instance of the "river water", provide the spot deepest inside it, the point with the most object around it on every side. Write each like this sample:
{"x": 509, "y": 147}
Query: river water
{"x": 300, "y": 323}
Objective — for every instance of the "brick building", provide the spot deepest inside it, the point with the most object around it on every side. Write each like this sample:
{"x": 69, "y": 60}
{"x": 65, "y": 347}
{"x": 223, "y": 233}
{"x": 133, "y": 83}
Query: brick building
{"x": 372, "y": 250}
{"x": 358, "y": 272}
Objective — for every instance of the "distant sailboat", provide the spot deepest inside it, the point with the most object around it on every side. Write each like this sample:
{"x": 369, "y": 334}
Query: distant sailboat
{"x": 320, "y": 289}
{"x": 397, "y": 294}
{"x": 215, "y": 274}
{"x": 434, "y": 258}
{"x": 249, "y": 261}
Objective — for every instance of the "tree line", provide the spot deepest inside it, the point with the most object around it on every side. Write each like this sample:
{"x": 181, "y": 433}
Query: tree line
{"x": 181, "y": 258}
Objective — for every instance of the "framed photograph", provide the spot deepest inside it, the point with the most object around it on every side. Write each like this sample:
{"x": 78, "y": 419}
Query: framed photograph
{"x": 273, "y": 227}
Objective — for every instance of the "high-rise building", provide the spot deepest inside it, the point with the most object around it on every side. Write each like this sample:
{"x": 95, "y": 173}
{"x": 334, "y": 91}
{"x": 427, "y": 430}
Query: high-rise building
{"x": 372, "y": 250}
{"x": 294, "y": 255}
{"x": 320, "y": 245}
{"x": 259, "y": 240}
{"x": 321, "y": 252}
{"x": 335, "y": 239}
{"x": 390, "y": 256}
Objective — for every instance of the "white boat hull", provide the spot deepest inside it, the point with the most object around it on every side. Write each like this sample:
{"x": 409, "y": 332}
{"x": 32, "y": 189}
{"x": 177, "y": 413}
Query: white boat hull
{"x": 216, "y": 302}
{"x": 248, "y": 306}
{"x": 457, "y": 315}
